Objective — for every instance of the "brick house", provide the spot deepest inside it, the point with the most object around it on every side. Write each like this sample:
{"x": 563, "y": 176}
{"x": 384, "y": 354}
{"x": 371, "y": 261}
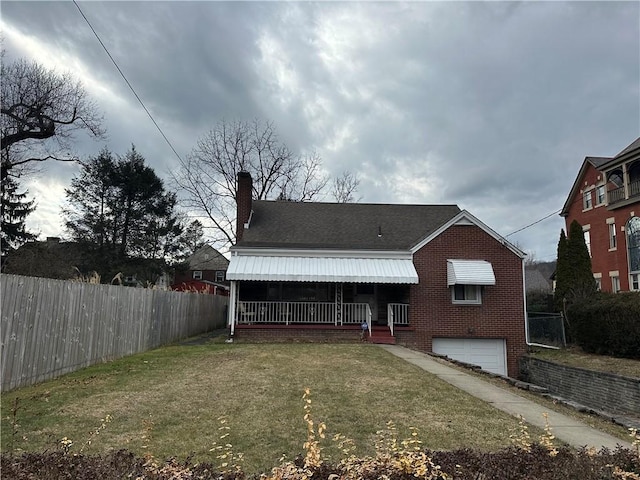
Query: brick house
{"x": 205, "y": 272}
{"x": 605, "y": 200}
{"x": 431, "y": 277}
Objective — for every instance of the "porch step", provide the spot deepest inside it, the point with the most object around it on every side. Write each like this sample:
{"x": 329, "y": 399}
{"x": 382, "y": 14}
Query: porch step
{"x": 383, "y": 339}
{"x": 382, "y": 336}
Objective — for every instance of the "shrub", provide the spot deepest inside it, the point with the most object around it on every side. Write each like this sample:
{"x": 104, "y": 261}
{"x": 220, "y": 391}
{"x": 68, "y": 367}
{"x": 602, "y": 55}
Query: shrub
{"x": 607, "y": 324}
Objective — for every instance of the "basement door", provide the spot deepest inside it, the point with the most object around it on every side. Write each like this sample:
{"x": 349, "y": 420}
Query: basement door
{"x": 489, "y": 353}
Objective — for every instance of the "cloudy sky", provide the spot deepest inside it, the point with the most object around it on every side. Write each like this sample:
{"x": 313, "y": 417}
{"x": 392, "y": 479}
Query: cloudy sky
{"x": 492, "y": 106}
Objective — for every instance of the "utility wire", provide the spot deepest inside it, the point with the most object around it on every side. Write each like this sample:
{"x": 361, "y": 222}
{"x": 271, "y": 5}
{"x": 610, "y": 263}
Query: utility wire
{"x": 534, "y": 223}
{"x": 127, "y": 81}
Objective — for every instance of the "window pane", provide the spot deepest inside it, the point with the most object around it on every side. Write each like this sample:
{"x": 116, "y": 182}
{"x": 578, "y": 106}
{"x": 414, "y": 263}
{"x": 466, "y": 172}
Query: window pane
{"x": 471, "y": 292}
{"x": 633, "y": 242}
{"x": 458, "y": 292}
{"x": 613, "y": 241}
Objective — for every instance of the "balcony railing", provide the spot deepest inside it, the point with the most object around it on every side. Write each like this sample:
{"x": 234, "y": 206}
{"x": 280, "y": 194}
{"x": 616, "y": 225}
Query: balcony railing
{"x": 288, "y": 313}
{"x": 615, "y": 195}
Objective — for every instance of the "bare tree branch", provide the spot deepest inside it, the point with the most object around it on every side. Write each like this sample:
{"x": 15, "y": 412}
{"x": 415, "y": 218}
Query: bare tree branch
{"x": 345, "y": 186}
{"x": 207, "y": 177}
{"x": 40, "y": 113}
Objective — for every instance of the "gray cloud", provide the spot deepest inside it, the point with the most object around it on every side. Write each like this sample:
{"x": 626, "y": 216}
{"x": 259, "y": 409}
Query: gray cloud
{"x": 490, "y": 105}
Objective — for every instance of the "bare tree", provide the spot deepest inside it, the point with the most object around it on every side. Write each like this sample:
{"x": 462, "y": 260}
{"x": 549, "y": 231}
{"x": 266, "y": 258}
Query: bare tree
{"x": 207, "y": 177}
{"x": 41, "y": 112}
{"x": 345, "y": 186}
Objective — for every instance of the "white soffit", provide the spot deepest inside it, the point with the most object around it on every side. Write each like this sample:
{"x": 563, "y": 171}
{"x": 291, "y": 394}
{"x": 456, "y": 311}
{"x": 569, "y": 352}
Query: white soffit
{"x": 321, "y": 269}
{"x": 470, "y": 272}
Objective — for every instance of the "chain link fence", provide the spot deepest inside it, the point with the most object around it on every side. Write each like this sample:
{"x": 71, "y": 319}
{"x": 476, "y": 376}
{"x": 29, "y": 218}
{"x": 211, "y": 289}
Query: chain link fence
{"x": 546, "y": 329}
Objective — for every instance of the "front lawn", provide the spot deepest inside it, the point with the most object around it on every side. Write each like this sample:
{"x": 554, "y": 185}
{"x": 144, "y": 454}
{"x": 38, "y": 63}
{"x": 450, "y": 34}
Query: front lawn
{"x": 168, "y": 402}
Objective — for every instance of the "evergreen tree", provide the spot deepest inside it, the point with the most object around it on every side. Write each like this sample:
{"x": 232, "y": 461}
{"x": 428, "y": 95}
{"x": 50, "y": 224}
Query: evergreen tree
{"x": 15, "y": 209}
{"x": 91, "y": 198}
{"x": 562, "y": 272}
{"x": 120, "y": 206}
{"x": 574, "y": 278}
{"x": 582, "y": 285}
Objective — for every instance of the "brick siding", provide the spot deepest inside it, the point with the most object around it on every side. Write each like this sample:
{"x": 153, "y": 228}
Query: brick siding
{"x": 603, "y": 260}
{"x": 501, "y": 314}
{"x": 306, "y": 333}
{"x": 602, "y": 391}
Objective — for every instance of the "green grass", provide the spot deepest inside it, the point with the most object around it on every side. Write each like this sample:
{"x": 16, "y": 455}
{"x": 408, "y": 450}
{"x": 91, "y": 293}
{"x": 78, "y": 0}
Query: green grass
{"x": 575, "y": 357}
{"x": 167, "y": 402}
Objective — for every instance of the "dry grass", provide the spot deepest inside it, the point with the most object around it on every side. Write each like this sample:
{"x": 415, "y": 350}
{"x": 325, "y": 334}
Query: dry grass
{"x": 575, "y": 357}
{"x": 167, "y": 402}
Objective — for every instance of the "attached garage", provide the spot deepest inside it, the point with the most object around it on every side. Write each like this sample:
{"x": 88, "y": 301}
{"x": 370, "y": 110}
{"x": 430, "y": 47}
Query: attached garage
{"x": 488, "y": 353}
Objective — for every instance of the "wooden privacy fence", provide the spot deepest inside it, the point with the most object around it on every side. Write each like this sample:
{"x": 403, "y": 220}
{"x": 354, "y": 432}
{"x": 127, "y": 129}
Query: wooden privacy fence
{"x": 51, "y": 327}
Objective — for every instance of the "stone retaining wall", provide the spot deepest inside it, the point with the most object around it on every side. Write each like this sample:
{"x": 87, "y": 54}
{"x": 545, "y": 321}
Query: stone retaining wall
{"x": 602, "y": 391}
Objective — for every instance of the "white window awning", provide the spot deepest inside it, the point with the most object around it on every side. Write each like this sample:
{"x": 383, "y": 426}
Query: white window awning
{"x": 321, "y": 269}
{"x": 470, "y": 272}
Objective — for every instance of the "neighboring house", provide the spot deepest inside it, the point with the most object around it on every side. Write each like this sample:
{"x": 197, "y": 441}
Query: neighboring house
{"x": 605, "y": 200}
{"x": 206, "y": 272}
{"x": 535, "y": 280}
{"x": 431, "y": 277}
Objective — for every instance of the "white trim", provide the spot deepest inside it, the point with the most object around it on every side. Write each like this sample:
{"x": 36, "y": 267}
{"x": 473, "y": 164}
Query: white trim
{"x": 321, "y": 253}
{"x": 465, "y": 218}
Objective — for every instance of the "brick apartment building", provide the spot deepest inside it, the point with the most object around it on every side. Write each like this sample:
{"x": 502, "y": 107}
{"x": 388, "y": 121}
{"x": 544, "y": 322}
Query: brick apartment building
{"x": 605, "y": 200}
{"x": 431, "y": 277}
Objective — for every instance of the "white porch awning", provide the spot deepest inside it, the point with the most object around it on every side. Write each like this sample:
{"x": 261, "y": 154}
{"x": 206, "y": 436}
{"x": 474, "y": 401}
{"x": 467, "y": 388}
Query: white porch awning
{"x": 321, "y": 269}
{"x": 470, "y": 272}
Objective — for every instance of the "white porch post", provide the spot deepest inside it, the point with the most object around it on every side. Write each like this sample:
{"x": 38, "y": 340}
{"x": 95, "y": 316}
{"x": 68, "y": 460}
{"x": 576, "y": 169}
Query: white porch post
{"x": 233, "y": 293}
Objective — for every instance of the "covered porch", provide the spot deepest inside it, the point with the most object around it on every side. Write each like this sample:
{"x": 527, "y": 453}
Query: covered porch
{"x": 296, "y": 292}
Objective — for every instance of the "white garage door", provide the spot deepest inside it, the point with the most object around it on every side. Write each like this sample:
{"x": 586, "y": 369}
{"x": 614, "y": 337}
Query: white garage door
{"x": 490, "y": 354}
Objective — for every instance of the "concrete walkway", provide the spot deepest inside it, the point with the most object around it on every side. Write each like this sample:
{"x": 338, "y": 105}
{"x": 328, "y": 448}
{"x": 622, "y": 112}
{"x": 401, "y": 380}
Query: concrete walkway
{"x": 564, "y": 428}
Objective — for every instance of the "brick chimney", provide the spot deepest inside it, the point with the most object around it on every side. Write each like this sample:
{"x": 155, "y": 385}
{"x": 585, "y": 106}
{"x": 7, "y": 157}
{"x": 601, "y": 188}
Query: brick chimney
{"x": 243, "y": 200}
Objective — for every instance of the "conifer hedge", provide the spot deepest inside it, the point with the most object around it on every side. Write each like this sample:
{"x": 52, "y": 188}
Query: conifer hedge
{"x": 607, "y": 324}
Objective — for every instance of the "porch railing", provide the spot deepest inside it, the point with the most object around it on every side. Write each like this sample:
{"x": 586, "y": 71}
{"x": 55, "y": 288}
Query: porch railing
{"x": 288, "y": 313}
{"x": 397, "y": 314}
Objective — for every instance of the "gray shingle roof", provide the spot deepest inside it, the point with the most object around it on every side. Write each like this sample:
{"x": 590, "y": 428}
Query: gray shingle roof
{"x": 343, "y": 225}
{"x": 597, "y": 161}
{"x": 635, "y": 145}
{"x": 207, "y": 258}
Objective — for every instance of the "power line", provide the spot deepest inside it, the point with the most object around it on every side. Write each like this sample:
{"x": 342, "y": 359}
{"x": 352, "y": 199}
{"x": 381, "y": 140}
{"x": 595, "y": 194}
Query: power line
{"x": 127, "y": 81}
{"x": 534, "y": 223}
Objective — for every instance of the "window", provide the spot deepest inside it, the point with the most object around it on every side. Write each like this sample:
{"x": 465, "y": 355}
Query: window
{"x": 598, "y": 278}
{"x": 615, "y": 284}
{"x": 587, "y": 202}
{"x": 613, "y": 241}
{"x": 633, "y": 244}
{"x": 587, "y": 240}
{"x": 600, "y": 193}
{"x": 466, "y": 294}
{"x": 219, "y": 275}
{"x": 197, "y": 274}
